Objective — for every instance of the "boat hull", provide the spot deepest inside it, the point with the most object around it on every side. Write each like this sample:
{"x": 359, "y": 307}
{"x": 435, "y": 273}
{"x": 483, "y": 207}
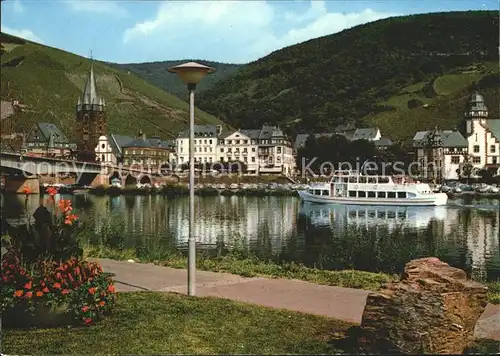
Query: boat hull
{"x": 436, "y": 199}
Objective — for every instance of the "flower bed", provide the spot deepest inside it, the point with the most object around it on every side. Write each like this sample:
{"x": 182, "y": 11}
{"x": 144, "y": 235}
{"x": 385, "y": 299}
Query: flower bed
{"x": 45, "y": 280}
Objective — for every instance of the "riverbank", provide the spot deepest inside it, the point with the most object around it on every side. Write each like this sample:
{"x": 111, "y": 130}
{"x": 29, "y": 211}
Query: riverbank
{"x": 251, "y": 266}
{"x": 182, "y": 190}
{"x": 473, "y": 195}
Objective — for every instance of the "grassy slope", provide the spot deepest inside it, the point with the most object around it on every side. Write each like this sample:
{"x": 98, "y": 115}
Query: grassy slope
{"x": 343, "y": 79}
{"x": 445, "y": 110}
{"x": 156, "y": 74}
{"x": 159, "y": 323}
{"x": 48, "y": 81}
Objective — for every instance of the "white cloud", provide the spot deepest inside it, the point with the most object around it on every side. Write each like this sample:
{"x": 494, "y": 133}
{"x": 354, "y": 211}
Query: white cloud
{"x": 97, "y": 7}
{"x": 26, "y": 34}
{"x": 234, "y": 31}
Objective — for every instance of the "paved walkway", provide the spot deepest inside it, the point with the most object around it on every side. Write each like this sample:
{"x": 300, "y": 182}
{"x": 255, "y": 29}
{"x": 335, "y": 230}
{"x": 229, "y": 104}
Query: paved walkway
{"x": 340, "y": 303}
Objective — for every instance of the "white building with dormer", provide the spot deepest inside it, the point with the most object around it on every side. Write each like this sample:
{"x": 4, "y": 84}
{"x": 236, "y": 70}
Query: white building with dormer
{"x": 483, "y": 136}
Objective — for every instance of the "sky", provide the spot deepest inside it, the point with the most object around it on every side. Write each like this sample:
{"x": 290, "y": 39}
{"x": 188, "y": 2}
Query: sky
{"x": 124, "y": 31}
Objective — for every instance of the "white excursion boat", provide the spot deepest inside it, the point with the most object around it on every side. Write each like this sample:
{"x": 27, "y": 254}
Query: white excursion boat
{"x": 350, "y": 187}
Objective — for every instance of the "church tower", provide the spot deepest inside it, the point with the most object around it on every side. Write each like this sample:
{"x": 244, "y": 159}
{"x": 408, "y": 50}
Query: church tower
{"x": 476, "y": 112}
{"x": 91, "y": 120}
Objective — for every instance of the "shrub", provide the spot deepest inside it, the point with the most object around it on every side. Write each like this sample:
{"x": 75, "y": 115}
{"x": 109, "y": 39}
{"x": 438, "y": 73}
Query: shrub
{"x": 81, "y": 286}
{"x": 43, "y": 268}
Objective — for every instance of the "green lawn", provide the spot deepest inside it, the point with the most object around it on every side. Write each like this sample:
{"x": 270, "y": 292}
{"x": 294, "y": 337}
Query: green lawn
{"x": 160, "y": 323}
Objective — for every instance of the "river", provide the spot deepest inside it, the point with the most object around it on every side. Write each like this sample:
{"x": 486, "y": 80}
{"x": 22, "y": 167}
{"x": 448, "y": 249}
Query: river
{"x": 466, "y": 235}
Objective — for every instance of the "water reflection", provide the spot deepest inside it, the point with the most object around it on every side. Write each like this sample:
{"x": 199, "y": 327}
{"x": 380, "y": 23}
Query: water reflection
{"x": 325, "y": 236}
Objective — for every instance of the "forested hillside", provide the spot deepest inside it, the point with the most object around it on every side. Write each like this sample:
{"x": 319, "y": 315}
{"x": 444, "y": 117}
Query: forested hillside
{"x": 48, "y": 81}
{"x": 402, "y": 74}
{"x": 156, "y": 73}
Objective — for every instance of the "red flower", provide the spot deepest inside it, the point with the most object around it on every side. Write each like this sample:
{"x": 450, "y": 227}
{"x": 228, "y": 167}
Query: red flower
{"x": 39, "y": 294}
{"x": 29, "y": 294}
{"x": 101, "y": 303}
{"x": 65, "y": 291}
{"x": 111, "y": 288}
{"x": 65, "y": 205}
{"x": 85, "y": 308}
{"x": 52, "y": 191}
{"x": 57, "y": 285}
{"x": 27, "y": 190}
{"x": 70, "y": 218}
{"x": 18, "y": 293}
{"x": 92, "y": 290}
{"x": 45, "y": 290}
{"x": 87, "y": 320}
{"x": 27, "y": 285}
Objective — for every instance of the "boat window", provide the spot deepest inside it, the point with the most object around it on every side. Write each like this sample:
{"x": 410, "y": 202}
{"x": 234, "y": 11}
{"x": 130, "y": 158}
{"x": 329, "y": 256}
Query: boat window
{"x": 391, "y": 194}
{"x": 317, "y": 192}
{"x": 372, "y": 180}
{"x": 381, "y": 214}
{"x": 381, "y": 195}
{"x": 391, "y": 214}
{"x": 362, "y": 179}
{"x": 352, "y": 193}
{"x": 383, "y": 180}
{"x": 345, "y": 179}
{"x": 361, "y": 214}
{"x": 402, "y": 195}
{"x": 371, "y": 214}
{"x": 326, "y": 192}
{"x": 411, "y": 195}
{"x": 401, "y": 215}
{"x": 362, "y": 194}
{"x": 353, "y": 179}
{"x": 352, "y": 214}
{"x": 311, "y": 191}
{"x": 371, "y": 195}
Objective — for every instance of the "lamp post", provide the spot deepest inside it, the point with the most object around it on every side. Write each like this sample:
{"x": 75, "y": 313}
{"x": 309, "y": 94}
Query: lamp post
{"x": 191, "y": 74}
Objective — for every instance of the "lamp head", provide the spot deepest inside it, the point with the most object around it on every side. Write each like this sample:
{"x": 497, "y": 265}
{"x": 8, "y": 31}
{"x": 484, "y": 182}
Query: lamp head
{"x": 192, "y": 72}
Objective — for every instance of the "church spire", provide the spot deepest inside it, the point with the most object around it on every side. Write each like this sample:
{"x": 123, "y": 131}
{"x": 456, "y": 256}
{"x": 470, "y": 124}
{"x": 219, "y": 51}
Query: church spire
{"x": 90, "y": 93}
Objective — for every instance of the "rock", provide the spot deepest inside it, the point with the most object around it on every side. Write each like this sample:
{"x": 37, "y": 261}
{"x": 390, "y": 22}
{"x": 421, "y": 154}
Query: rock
{"x": 432, "y": 309}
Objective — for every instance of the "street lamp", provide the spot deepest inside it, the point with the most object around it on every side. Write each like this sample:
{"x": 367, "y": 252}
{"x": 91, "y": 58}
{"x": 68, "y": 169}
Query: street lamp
{"x": 191, "y": 73}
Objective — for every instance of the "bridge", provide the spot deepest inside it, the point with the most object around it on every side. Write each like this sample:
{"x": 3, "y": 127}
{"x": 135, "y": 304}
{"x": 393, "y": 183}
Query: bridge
{"x": 25, "y": 170}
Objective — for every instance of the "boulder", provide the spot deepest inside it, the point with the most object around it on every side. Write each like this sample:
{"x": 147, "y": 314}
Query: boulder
{"x": 432, "y": 309}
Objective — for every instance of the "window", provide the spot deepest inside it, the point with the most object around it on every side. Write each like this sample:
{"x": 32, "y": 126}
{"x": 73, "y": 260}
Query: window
{"x": 205, "y": 142}
{"x": 492, "y": 148}
{"x": 402, "y": 195}
{"x": 352, "y": 193}
{"x": 278, "y": 149}
{"x": 205, "y": 149}
{"x": 326, "y": 192}
{"x": 372, "y": 180}
{"x": 455, "y": 159}
{"x": 494, "y": 160}
{"x": 103, "y": 146}
{"x": 253, "y": 149}
{"x": 362, "y": 179}
{"x": 391, "y": 194}
{"x": 476, "y": 159}
{"x": 381, "y": 195}
{"x": 353, "y": 179}
{"x": 103, "y": 158}
{"x": 237, "y": 142}
{"x": 371, "y": 194}
{"x": 210, "y": 141}
{"x": 362, "y": 194}
{"x": 383, "y": 180}
{"x": 253, "y": 159}
{"x": 476, "y": 148}
{"x": 222, "y": 150}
